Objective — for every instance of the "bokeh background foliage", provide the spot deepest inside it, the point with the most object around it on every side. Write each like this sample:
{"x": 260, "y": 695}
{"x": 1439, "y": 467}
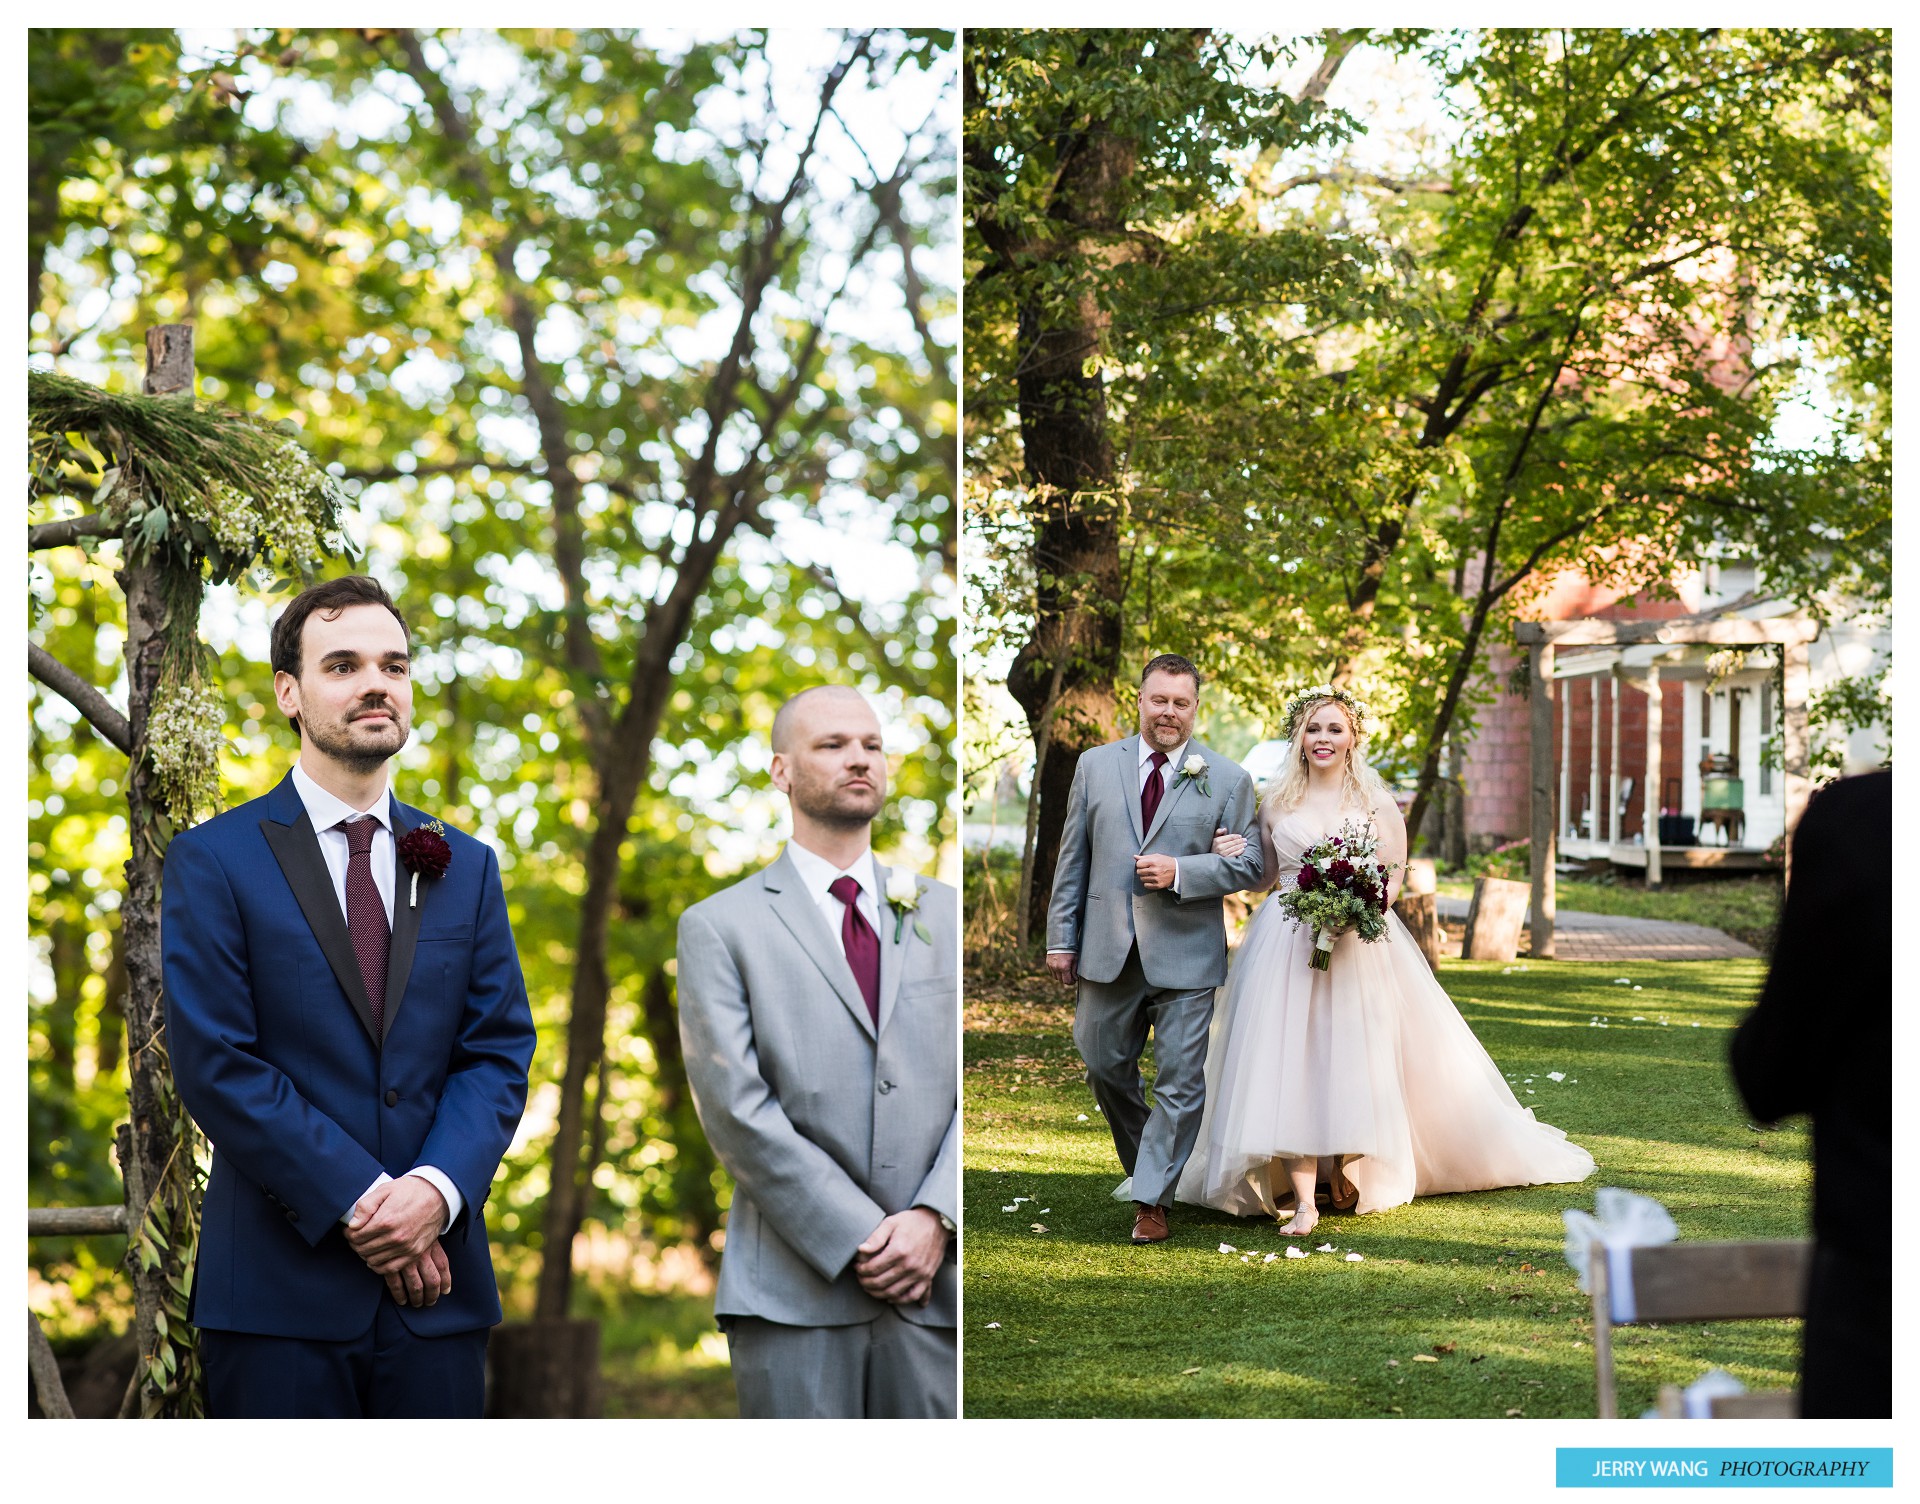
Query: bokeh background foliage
{"x": 633, "y": 359}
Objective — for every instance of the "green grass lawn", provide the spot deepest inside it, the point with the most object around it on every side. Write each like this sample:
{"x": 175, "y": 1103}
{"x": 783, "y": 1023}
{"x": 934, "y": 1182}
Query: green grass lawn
{"x": 1064, "y": 1316}
{"x": 1745, "y": 907}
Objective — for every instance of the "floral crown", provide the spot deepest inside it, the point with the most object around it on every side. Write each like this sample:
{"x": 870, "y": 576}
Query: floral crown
{"x": 1297, "y": 707}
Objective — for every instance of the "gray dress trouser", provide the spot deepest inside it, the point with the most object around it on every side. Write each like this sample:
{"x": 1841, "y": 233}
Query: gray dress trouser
{"x": 1110, "y": 1024}
{"x": 884, "y": 1369}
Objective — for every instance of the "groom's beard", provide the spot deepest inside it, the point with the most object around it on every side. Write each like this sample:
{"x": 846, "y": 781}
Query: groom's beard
{"x": 358, "y": 747}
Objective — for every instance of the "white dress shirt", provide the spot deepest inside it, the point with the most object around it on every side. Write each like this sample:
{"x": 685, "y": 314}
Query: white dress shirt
{"x": 819, "y": 875}
{"x": 326, "y": 811}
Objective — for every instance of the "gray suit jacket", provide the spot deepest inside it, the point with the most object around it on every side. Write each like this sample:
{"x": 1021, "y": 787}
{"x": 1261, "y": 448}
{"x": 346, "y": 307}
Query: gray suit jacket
{"x": 825, "y": 1124}
{"x": 1100, "y": 907}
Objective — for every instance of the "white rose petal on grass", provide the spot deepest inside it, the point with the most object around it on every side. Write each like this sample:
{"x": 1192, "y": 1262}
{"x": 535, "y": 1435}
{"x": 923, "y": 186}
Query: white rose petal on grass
{"x": 1355, "y": 1258}
{"x": 1296, "y": 1253}
{"x": 1228, "y": 1248}
{"x": 993, "y": 1326}
{"x": 1623, "y": 981}
{"x": 1639, "y": 1018}
{"x": 1014, "y": 1208}
{"x": 1081, "y": 1119}
{"x": 1636, "y": 987}
{"x": 1270, "y": 1258}
{"x": 1039, "y": 1227}
{"x": 1556, "y": 1075}
{"x": 1324, "y": 1248}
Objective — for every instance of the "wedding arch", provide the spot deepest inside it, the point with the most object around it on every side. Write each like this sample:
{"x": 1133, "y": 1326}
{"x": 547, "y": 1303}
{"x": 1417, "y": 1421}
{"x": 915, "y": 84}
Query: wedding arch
{"x": 195, "y": 493}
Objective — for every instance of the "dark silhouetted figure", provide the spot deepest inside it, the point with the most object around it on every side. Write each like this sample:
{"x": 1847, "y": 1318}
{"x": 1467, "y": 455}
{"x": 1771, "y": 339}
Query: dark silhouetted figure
{"x": 1820, "y": 1041}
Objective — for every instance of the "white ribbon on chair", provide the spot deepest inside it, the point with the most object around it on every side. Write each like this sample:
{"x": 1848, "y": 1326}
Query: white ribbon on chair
{"x": 1626, "y": 1220}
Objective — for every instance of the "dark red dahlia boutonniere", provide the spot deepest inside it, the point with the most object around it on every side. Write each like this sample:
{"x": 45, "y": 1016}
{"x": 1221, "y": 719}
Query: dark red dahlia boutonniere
{"x": 425, "y": 850}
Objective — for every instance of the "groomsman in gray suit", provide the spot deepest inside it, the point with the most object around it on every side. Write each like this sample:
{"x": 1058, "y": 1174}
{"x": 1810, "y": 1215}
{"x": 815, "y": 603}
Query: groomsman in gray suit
{"x": 819, "y": 1014}
{"x": 1136, "y": 920}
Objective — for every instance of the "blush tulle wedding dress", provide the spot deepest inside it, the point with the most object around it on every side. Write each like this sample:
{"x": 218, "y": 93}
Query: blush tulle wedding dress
{"x": 1368, "y": 1066}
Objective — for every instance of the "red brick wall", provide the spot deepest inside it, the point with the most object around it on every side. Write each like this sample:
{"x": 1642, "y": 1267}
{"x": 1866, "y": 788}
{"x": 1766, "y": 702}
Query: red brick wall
{"x": 1497, "y": 769}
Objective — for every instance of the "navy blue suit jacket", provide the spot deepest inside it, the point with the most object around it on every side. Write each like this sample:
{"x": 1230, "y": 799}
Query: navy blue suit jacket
{"x": 271, "y": 1039}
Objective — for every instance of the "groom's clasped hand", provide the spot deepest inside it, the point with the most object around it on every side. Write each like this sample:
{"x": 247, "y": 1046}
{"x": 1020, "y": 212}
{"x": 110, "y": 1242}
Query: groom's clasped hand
{"x": 395, "y": 1228}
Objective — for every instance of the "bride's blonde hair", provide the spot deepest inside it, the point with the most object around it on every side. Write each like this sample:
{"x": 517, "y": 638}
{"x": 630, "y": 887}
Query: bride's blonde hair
{"x": 1360, "y": 786}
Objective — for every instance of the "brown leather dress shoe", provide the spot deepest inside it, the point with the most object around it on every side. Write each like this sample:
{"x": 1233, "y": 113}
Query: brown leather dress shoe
{"x": 1149, "y": 1223}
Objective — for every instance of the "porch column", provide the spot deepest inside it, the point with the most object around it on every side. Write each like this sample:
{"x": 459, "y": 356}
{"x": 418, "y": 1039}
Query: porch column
{"x": 1564, "y": 824}
{"x": 1650, "y": 818}
{"x": 1613, "y": 758}
{"x": 1593, "y": 759}
{"x": 1793, "y": 740}
{"x": 1541, "y": 835}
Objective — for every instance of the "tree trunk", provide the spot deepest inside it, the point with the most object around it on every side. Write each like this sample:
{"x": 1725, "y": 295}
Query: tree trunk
{"x": 621, "y": 769}
{"x": 154, "y": 1145}
{"x": 1080, "y": 585}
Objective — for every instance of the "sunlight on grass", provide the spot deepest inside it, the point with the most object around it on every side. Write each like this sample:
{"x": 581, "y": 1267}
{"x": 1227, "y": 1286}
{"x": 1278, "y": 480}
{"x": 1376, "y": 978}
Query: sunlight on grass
{"x": 1090, "y": 1325}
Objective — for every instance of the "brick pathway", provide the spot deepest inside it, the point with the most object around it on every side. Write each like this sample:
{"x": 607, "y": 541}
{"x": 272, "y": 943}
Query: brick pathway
{"x": 1612, "y": 937}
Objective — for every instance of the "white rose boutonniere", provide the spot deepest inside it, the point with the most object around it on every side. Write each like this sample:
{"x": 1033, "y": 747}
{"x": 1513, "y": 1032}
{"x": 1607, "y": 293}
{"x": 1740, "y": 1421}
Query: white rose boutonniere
{"x": 903, "y": 897}
{"x": 1195, "y": 768}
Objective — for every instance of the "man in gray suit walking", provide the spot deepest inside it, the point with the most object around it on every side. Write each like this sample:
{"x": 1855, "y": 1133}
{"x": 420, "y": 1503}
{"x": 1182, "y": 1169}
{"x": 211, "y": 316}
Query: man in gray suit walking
{"x": 1136, "y": 920}
{"x": 819, "y": 1014}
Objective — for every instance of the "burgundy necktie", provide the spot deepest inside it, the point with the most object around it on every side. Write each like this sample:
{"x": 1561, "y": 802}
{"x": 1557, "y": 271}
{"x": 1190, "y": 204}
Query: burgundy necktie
{"x": 1150, "y": 792}
{"x": 861, "y": 944}
{"x": 367, "y": 916}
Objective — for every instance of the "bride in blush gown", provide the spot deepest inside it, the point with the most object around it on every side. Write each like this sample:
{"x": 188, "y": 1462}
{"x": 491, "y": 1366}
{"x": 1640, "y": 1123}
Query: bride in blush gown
{"x": 1363, "y": 1075}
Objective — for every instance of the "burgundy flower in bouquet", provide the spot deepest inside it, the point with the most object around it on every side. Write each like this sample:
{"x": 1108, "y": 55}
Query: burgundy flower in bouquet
{"x": 425, "y": 851}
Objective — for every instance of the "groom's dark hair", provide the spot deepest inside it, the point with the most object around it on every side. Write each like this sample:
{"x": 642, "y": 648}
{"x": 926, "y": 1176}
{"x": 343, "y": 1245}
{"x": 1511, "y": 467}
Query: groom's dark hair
{"x": 1171, "y": 663}
{"x": 329, "y": 598}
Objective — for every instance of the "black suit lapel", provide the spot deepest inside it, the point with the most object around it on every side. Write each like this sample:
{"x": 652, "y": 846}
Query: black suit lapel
{"x": 406, "y": 917}
{"x": 297, "y": 849}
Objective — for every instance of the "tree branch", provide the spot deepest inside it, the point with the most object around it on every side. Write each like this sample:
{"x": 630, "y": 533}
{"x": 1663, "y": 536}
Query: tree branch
{"x": 45, "y": 1369}
{"x": 583, "y": 653}
{"x": 65, "y": 530}
{"x": 96, "y": 707}
{"x": 1365, "y": 179}
{"x": 1339, "y": 44}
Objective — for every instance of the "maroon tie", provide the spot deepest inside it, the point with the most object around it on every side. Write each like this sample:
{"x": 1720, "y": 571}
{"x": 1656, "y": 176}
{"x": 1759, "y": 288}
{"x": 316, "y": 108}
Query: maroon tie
{"x": 367, "y": 916}
{"x": 861, "y": 944}
{"x": 1150, "y": 792}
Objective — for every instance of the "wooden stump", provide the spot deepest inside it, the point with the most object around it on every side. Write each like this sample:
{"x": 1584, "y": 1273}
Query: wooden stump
{"x": 544, "y": 1370}
{"x": 1493, "y": 920}
{"x": 1419, "y": 913}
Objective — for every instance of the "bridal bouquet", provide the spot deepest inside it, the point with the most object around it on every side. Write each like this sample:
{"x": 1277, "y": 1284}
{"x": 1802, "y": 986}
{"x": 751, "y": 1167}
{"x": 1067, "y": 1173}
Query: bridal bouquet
{"x": 1341, "y": 885}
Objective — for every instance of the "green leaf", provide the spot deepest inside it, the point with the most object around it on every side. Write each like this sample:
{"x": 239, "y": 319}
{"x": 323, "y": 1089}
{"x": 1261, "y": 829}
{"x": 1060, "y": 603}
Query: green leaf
{"x": 922, "y": 931}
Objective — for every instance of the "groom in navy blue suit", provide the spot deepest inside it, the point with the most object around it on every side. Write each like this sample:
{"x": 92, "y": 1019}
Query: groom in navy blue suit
{"x": 348, "y": 1025}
